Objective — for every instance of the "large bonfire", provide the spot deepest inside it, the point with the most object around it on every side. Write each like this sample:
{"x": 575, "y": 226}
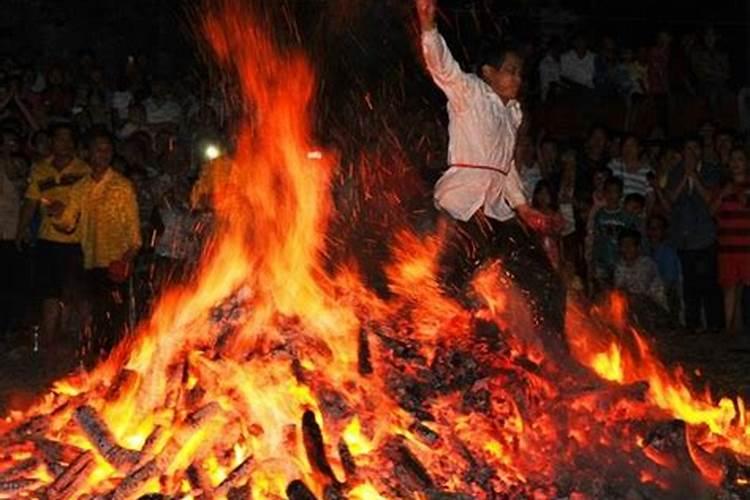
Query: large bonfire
{"x": 267, "y": 377}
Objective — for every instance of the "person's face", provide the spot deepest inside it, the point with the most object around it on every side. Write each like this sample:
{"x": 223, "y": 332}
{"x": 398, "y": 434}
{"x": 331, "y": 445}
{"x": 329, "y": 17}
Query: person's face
{"x": 505, "y": 80}
{"x": 629, "y": 249}
{"x": 599, "y": 179}
{"x": 634, "y": 208}
{"x": 549, "y": 152}
{"x": 56, "y": 77}
{"x": 63, "y": 145}
{"x": 11, "y": 144}
{"x": 612, "y": 194}
{"x": 630, "y": 148}
{"x": 655, "y": 230}
{"x": 597, "y": 141}
{"x": 738, "y": 164}
{"x": 543, "y": 198}
{"x": 692, "y": 152}
{"x": 723, "y": 145}
{"x": 100, "y": 153}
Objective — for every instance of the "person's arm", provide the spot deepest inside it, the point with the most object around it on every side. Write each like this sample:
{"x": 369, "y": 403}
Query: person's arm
{"x": 23, "y": 234}
{"x": 445, "y": 71}
{"x": 26, "y": 113}
{"x": 675, "y": 192}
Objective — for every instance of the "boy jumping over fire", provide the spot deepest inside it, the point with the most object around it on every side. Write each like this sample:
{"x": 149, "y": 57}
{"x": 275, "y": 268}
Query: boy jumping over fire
{"x": 481, "y": 194}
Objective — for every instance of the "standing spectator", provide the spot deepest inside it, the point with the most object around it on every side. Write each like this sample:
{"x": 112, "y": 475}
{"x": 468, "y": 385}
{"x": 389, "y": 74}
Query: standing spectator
{"x": 577, "y": 65}
{"x": 630, "y": 169}
{"x": 59, "y": 261}
{"x": 711, "y": 69}
{"x": 732, "y": 209}
{"x": 594, "y": 151}
{"x": 40, "y": 146}
{"x": 667, "y": 262}
{"x": 10, "y": 211}
{"x": 609, "y": 222}
{"x": 723, "y": 145}
{"x": 693, "y": 234}
{"x": 106, "y": 205}
{"x": 606, "y": 62}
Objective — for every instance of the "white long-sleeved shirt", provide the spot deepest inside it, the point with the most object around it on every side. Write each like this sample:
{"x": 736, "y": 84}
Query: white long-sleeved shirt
{"x": 578, "y": 69}
{"x": 482, "y": 132}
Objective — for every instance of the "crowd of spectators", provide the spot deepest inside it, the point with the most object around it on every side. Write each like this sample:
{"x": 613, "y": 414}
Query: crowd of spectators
{"x": 95, "y": 187}
{"x": 98, "y": 208}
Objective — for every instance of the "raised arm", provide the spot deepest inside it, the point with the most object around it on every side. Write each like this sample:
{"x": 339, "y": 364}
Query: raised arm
{"x": 443, "y": 68}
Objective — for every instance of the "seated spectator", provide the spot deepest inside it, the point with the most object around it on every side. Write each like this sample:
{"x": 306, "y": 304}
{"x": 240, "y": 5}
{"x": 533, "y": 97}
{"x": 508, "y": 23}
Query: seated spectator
{"x": 162, "y": 109}
{"x": 550, "y": 80}
{"x": 732, "y": 209}
{"x": 637, "y": 274}
{"x": 135, "y": 122}
{"x": 577, "y": 65}
{"x": 594, "y": 154}
{"x": 553, "y": 224}
{"x": 630, "y": 169}
{"x": 609, "y": 222}
{"x": 723, "y": 147}
{"x": 40, "y": 146}
{"x": 544, "y": 167}
{"x": 58, "y": 96}
{"x": 667, "y": 262}
{"x": 634, "y": 204}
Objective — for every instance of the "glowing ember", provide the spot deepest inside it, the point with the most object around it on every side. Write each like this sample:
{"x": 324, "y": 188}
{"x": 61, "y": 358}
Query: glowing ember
{"x": 267, "y": 378}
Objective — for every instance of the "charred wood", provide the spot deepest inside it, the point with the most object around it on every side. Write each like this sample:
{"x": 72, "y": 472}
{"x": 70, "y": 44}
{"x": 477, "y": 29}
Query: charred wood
{"x": 314, "y": 445}
{"x": 73, "y": 478}
{"x": 99, "y": 435}
{"x": 19, "y": 469}
{"x": 239, "y": 474}
{"x": 347, "y": 460}
{"x": 364, "y": 363}
{"x": 408, "y": 468}
{"x": 17, "y": 487}
{"x": 297, "y": 490}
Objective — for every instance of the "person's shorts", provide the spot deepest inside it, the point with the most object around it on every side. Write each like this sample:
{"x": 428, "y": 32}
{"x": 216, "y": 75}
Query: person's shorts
{"x": 58, "y": 269}
{"x": 734, "y": 269}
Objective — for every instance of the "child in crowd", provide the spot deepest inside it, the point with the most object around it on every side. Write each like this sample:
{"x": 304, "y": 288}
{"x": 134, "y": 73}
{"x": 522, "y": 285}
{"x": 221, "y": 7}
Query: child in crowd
{"x": 609, "y": 222}
{"x": 635, "y": 205}
{"x": 637, "y": 274}
{"x": 551, "y": 231}
{"x": 667, "y": 262}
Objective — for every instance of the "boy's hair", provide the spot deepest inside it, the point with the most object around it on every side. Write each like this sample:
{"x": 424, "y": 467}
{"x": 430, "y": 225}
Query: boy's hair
{"x": 493, "y": 53}
{"x": 100, "y": 133}
{"x": 629, "y": 234}
{"x": 614, "y": 181}
{"x": 635, "y": 198}
{"x": 63, "y": 125}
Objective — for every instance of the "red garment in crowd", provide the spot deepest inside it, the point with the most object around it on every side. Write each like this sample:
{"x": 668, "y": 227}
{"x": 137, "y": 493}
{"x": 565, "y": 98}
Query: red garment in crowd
{"x": 733, "y": 220}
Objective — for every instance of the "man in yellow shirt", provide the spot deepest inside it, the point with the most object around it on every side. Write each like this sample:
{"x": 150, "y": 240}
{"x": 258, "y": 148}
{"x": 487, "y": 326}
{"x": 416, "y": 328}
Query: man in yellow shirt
{"x": 59, "y": 261}
{"x": 107, "y": 209}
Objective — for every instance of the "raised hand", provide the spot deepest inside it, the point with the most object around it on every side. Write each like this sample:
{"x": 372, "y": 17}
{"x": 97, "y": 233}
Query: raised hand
{"x": 426, "y": 12}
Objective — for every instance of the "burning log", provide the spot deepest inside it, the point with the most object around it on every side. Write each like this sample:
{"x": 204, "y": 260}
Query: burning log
{"x": 200, "y": 481}
{"x": 133, "y": 482}
{"x": 18, "y": 486}
{"x": 55, "y": 451}
{"x": 98, "y": 434}
{"x": 408, "y": 469}
{"x": 235, "y": 478}
{"x": 297, "y": 490}
{"x": 314, "y": 446}
{"x": 426, "y": 435}
{"x": 73, "y": 478}
{"x": 19, "y": 469}
{"x": 124, "y": 383}
{"x": 347, "y": 460}
{"x": 33, "y": 427}
{"x": 363, "y": 352}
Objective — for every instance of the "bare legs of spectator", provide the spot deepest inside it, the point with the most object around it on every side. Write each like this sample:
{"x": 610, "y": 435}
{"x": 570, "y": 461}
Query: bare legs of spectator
{"x": 733, "y": 309}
